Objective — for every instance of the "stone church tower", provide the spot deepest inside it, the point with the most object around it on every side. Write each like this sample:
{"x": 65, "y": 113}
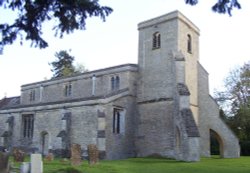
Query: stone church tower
{"x": 172, "y": 115}
{"x": 168, "y": 55}
{"x": 160, "y": 106}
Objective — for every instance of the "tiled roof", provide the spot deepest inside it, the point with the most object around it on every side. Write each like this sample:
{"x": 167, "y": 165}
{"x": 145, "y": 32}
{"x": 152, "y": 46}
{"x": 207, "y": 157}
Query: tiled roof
{"x": 9, "y": 102}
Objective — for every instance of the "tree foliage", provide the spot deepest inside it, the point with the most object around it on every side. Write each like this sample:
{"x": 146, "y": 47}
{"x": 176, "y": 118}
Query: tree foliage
{"x": 221, "y": 6}
{"x": 63, "y": 65}
{"x": 68, "y": 16}
{"x": 235, "y": 100}
{"x": 80, "y": 68}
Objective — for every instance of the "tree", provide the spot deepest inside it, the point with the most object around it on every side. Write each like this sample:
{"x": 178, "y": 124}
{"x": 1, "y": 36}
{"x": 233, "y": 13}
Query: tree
{"x": 63, "y": 66}
{"x": 235, "y": 100}
{"x": 68, "y": 16}
{"x": 222, "y": 6}
{"x": 79, "y": 68}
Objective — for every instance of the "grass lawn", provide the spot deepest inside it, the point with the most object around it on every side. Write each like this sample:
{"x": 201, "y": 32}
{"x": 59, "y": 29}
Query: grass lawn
{"x": 153, "y": 165}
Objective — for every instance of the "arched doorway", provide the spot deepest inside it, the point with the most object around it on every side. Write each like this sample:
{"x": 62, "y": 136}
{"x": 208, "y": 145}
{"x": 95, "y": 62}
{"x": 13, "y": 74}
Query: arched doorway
{"x": 216, "y": 144}
{"x": 44, "y": 143}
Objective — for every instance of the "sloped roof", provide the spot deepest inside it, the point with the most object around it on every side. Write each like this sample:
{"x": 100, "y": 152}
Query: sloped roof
{"x": 9, "y": 102}
{"x": 183, "y": 89}
{"x": 190, "y": 125}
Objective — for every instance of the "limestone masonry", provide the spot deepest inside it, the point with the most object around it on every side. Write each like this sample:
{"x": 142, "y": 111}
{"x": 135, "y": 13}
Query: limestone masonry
{"x": 160, "y": 106}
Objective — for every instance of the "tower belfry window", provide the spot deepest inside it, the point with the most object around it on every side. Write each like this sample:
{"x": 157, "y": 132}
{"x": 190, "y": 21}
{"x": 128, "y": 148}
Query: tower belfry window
{"x": 189, "y": 43}
{"x": 156, "y": 40}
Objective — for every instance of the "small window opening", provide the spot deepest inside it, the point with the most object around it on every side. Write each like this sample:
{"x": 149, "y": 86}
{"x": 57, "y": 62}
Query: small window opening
{"x": 32, "y": 95}
{"x": 189, "y": 43}
{"x": 68, "y": 90}
{"x": 115, "y": 83}
{"x": 156, "y": 40}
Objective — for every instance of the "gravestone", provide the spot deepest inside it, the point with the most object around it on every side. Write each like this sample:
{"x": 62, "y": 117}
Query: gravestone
{"x": 49, "y": 157}
{"x": 4, "y": 162}
{"x": 25, "y": 167}
{"x": 93, "y": 154}
{"x": 36, "y": 164}
{"x": 18, "y": 155}
{"x": 76, "y": 154}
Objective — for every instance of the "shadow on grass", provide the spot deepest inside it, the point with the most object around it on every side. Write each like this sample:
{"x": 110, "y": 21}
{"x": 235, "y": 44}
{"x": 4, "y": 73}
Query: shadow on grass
{"x": 68, "y": 170}
{"x": 153, "y": 160}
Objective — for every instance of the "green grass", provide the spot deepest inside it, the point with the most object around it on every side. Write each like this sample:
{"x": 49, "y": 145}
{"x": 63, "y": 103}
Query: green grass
{"x": 150, "y": 165}
{"x": 154, "y": 165}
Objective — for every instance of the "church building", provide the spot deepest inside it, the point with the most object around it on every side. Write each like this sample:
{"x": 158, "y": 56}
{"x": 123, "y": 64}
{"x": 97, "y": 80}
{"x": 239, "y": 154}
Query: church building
{"x": 160, "y": 106}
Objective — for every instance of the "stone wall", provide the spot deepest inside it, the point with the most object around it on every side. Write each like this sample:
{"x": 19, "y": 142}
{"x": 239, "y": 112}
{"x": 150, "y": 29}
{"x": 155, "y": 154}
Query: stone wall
{"x": 155, "y": 133}
{"x": 210, "y": 120}
{"x": 185, "y": 28}
{"x": 159, "y": 75}
{"x": 53, "y": 132}
{"x": 161, "y": 101}
{"x": 155, "y": 65}
{"x": 82, "y": 85}
{"x": 122, "y": 145}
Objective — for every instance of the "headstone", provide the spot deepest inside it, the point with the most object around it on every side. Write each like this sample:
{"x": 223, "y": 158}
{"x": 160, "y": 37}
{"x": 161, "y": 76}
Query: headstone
{"x": 76, "y": 154}
{"x": 25, "y": 167}
{"x": 36, "y": 164}
{"x": 93, "y": 154}
{"x": 4, "y": 162}
{"x": 18, "y": 155}
{"x": 49, "y": 157}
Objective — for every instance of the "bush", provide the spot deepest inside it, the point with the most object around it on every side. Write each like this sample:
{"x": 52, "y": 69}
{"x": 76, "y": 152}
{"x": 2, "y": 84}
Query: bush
{"x": 245, "y": 148}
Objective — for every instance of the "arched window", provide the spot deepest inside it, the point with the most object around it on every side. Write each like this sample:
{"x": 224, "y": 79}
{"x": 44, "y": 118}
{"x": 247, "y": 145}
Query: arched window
{"x": 156, "y": 40}
{"x": 189, "y": 43}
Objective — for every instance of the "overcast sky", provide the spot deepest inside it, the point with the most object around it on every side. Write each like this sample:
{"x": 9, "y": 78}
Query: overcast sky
{"x": 224, "y": 41}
